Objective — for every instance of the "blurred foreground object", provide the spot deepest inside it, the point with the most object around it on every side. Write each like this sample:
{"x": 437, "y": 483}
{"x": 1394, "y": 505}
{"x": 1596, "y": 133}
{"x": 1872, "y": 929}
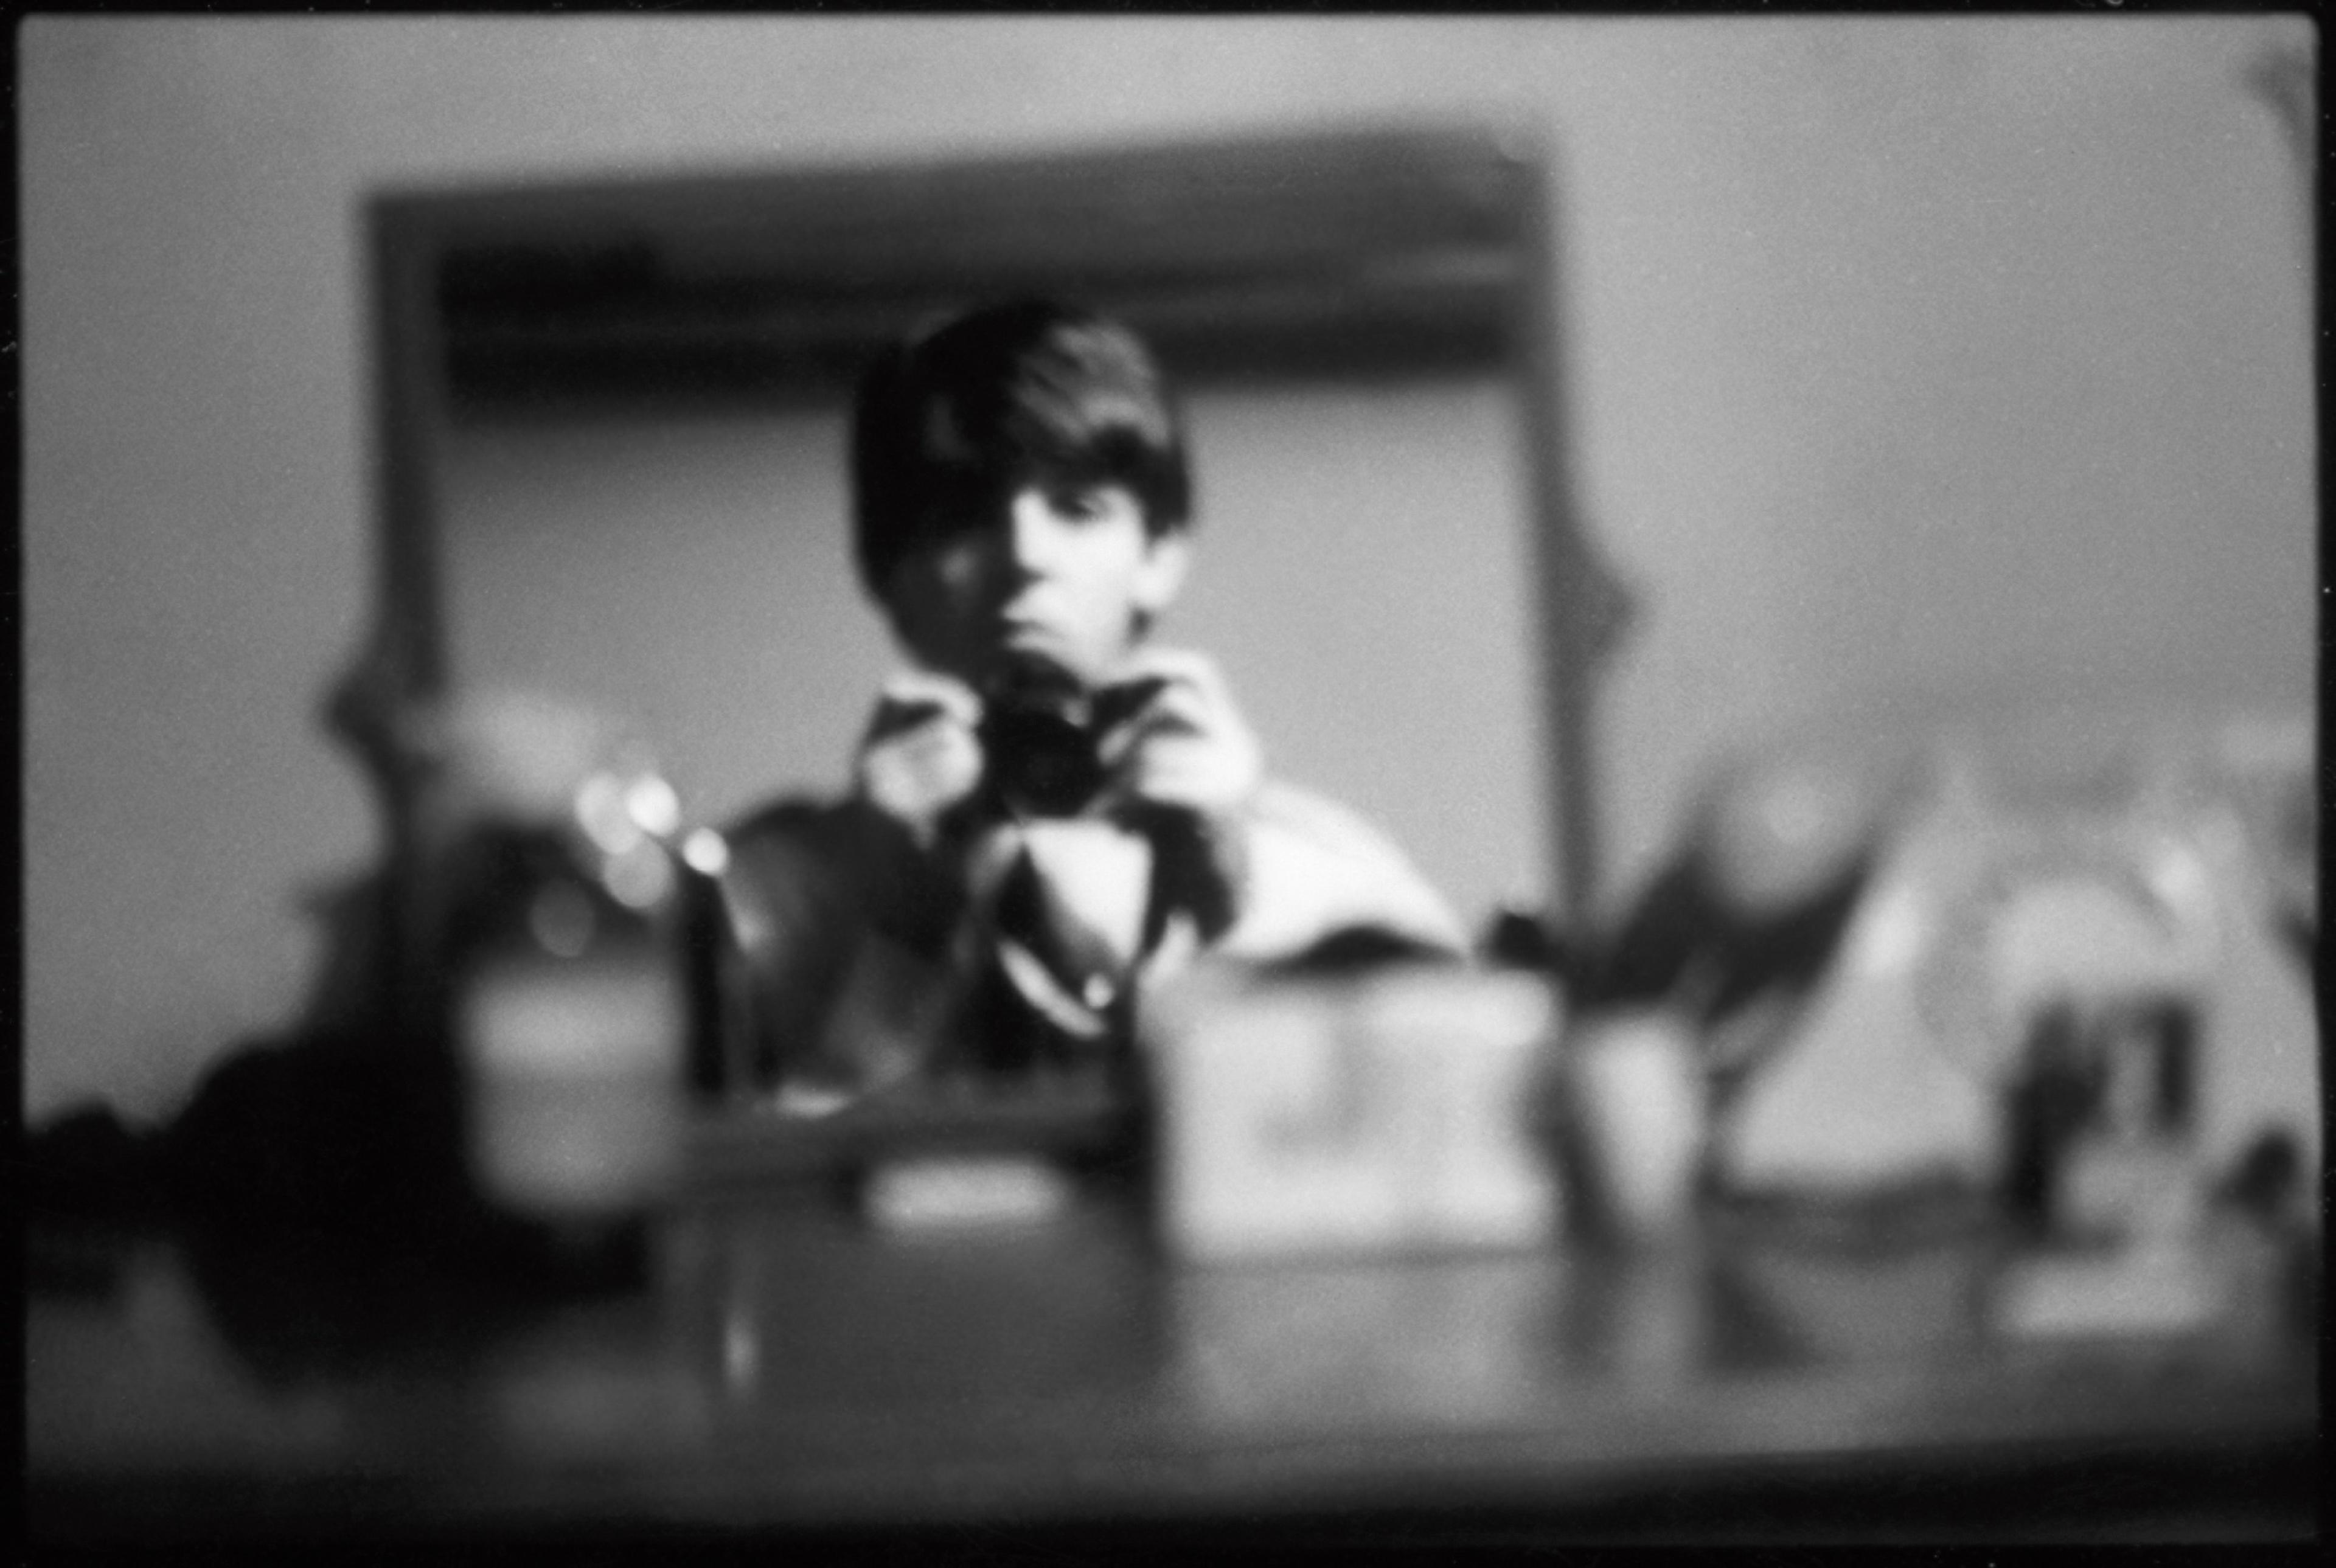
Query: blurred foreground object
{"x": 493, "y": 1064}
{"x": 551, "y": 969}
{"x": 572, "y": 947}
{"x": 1636, "y": 1123}
{"x": 1898, "y": 952}
{"x": 1393, "y": 1110}
{"x": 933, "y": 1195}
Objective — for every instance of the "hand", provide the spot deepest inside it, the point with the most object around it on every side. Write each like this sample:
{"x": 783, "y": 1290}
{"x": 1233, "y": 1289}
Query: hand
{"x": 922, "y": 755}
{"x": 1185, "y": 747}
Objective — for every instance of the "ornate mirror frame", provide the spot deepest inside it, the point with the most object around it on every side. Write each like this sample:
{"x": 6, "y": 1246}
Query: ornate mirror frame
{"x": 1338, "y": 253}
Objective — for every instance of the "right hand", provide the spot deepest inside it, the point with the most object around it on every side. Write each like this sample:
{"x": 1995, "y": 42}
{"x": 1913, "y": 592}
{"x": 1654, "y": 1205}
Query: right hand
{"x": 922, "y": 753}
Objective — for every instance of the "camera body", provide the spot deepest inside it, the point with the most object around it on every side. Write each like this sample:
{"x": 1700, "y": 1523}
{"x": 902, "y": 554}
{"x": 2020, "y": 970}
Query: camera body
{"x": 1042, "y": 737}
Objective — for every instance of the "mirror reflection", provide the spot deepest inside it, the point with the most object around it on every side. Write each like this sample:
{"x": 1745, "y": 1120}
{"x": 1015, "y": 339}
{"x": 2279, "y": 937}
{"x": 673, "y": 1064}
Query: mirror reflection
{"x": 1251, "y": 503}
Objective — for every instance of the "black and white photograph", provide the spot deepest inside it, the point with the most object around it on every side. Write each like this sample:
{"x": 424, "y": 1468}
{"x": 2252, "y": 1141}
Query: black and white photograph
{"x": 1027, "y": 787}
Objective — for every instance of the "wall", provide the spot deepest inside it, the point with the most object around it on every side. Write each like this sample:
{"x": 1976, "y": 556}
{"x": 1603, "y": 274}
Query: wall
{"x": 1905, "y": 356}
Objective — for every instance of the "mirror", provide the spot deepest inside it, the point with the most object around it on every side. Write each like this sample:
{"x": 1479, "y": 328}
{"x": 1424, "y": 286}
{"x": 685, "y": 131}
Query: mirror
{"x": 612, "y": 418}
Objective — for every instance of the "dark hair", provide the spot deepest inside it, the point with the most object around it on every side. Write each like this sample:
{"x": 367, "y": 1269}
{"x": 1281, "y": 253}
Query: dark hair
{"x": 948, "y": 421}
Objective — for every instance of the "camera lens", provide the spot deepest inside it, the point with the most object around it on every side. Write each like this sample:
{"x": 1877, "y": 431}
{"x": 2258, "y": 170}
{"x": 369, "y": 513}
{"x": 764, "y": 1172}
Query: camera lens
{"x": 1041, "y": 756}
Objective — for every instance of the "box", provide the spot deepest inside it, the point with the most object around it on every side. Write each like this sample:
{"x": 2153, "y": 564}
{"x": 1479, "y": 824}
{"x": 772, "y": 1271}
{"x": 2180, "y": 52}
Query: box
{"x": 1396, "y": 1112}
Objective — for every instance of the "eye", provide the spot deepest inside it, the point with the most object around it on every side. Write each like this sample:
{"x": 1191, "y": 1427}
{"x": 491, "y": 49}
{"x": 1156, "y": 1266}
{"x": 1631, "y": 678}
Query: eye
{"x": 1080, "y": 503}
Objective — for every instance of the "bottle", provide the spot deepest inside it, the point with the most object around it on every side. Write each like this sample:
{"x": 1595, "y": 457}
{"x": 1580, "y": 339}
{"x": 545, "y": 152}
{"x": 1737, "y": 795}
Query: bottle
{"x": 575, "y": 1005}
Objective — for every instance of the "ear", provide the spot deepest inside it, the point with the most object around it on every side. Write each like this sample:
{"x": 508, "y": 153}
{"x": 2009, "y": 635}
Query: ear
{"x": 1166, "y": 558}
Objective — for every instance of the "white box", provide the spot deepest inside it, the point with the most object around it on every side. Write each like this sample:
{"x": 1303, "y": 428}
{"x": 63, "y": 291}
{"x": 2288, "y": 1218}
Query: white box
{"x": 1394, "y": 1112}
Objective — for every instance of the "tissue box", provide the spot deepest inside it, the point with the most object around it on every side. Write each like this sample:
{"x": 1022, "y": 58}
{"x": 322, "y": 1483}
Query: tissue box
{"x": 1397, "y": 1111}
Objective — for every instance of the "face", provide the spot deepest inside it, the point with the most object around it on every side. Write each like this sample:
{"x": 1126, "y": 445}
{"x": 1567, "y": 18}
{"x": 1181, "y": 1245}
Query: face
{"x": 1059, "y": 578}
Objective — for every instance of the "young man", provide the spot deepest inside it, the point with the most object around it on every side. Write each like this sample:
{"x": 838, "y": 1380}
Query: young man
{"x": 1048, "y": 808}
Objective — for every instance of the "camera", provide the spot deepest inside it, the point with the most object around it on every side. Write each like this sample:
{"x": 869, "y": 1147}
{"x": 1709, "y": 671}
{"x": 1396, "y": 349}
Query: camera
{"x": 1042, "y": 736}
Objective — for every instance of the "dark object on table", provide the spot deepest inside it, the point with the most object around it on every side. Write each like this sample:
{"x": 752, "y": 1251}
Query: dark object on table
{"x": 323, "y": 1148}
{"x": 2108, "y": 1077}
{"x": 277, "y": 1134}
{"x": 2268, "y": 1178}
{"x": 1685, "y": 934}
{"x": 88, "y": 1164}
{"x": 88, "y": 1177}
{"x": 302, "y": 1135}
{"x": 1516, "y": 939}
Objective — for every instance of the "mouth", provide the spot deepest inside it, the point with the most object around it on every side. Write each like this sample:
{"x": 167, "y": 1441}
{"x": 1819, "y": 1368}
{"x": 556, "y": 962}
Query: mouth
{"x": 1017, "y": 631}
{"x": 1026, "y": 646}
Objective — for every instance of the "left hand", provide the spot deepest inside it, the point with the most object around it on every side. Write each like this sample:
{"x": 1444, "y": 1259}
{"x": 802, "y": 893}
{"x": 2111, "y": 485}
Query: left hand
{"x": 1187, "y": 746}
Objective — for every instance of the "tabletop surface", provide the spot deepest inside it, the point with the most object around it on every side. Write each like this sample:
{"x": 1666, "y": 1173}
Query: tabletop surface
{"x": 786, "y": 1365}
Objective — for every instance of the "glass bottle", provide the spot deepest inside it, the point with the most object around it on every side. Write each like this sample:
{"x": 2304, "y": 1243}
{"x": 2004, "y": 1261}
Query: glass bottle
{"x": 579, "y": 1000}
